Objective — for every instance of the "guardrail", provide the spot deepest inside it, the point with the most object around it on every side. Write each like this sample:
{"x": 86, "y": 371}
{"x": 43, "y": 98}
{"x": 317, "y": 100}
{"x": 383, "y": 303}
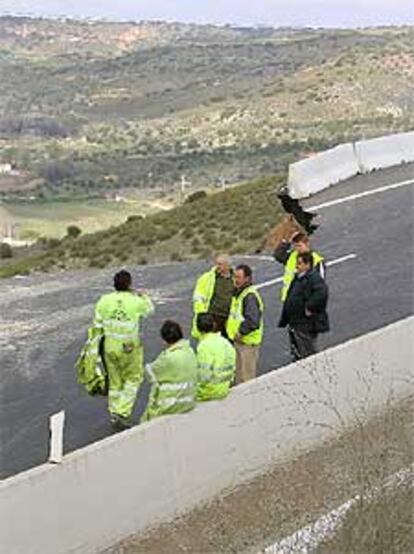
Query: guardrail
{"x": 327, "y": 168}
{"x": 157, "y": 471}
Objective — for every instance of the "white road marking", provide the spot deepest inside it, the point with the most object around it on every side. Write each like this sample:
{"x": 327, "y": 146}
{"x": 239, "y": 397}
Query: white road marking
{"x": 360, "y": 195}
{"x": 307, "y": 539}
{"x": 258, "y": 257}
{"x": 329, "y": 264}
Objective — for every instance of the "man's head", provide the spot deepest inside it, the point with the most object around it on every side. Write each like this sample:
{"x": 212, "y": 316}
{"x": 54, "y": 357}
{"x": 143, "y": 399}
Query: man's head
{"x": 222, "y": 264}
{"x": 122, "y": 280}
{"x": 171, "y": 332}
{"x": 304, "y": 262}
{"x": 205, "y": 323}
{"x": 242, "y": 276}
{"x": 301, "y": 243}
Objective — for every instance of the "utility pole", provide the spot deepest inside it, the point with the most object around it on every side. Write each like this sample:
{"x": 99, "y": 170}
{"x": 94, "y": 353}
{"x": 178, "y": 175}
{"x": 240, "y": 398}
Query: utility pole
{"x": 184, "y": 184}
{"x": 222, "y": 182}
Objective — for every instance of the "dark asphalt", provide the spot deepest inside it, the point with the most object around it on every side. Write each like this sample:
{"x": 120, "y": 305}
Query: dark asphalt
{"x": 43, "y": 319}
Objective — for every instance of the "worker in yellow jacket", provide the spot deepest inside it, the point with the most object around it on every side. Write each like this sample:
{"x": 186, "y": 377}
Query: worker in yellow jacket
{"x": 117, "y": 319}
{"x": 213, "y": 293}
{"x": 245, "y": 325}
{"x": 287, "y": 254}
{"x": 173, "y": 375}
{"x": 216, "y": 358}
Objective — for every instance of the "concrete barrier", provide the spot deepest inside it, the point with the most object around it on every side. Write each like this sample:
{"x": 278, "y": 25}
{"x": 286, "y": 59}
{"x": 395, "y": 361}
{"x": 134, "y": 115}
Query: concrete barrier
{"x": 328, "y": 168}
{"x": 150, "y": 474}
{"x": 385, "y": 152}
{"x": 322, "y": 170}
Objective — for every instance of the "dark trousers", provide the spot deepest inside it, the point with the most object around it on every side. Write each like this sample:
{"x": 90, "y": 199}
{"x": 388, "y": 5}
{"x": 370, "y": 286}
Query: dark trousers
{"x": 302, "y": 344}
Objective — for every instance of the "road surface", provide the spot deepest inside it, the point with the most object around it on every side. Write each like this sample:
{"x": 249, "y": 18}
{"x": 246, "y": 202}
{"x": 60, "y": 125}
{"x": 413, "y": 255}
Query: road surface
{"x": 367, "y": 240}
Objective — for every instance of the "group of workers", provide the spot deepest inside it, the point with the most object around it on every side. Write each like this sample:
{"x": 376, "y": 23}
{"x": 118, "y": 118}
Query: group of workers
{"x": 228, "y": 327}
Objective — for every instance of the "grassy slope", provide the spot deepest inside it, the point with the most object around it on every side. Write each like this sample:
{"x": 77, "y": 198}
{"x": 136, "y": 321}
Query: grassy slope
{"x": 51, "y": 219}
{"x": 235, "y": 220}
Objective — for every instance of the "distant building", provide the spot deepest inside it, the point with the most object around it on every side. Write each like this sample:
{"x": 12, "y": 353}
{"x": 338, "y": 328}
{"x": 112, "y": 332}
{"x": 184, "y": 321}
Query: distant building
{"x": 6, "y": 169}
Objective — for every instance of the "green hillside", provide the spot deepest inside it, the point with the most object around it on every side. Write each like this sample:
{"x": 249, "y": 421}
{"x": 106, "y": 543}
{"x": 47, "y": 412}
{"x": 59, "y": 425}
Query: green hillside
{"x": 235, "y": 221}
{"x": 87, "y": 108}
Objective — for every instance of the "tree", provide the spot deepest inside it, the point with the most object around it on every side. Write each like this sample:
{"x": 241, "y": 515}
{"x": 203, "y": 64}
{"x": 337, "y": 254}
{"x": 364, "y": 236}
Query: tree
{"x": 5, "y": 250}
{"x": 73, "y": 231}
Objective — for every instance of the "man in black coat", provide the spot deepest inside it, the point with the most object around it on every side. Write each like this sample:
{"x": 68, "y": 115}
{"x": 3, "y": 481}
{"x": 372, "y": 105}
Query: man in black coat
{"x": 304, "y": 311}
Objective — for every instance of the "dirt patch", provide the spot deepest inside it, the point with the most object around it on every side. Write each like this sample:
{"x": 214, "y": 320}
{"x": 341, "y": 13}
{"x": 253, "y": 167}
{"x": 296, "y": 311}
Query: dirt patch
{"x": 290, "y": 496}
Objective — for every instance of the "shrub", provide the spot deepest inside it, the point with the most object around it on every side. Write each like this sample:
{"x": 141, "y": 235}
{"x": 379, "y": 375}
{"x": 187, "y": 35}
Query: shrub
{"x": 176, "y": 257}
{"x": 5, "y": 251}
{"x": 134, "y": 217}
{"x": 188, "y": 232}
{"x": 73, "y": 231}
{"x": 198, "y": 195}
{"x": 52, "y": 243}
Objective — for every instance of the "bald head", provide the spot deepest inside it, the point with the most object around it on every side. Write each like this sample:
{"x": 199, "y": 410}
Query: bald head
{"x": 222, "y": 264}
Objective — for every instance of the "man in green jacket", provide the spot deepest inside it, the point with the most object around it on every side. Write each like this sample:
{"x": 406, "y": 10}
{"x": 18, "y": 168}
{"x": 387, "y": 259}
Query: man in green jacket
{"x": 213, "y": 293}
{"x": 216, "y": 361}
{"x": 245, "y": 324}
{"x": 117, "y": 318}
{"x": 173, "y": 375}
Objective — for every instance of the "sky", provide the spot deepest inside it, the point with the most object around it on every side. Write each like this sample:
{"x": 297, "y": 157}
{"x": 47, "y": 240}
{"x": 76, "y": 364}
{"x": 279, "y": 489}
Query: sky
{"x": 298, "y": 13}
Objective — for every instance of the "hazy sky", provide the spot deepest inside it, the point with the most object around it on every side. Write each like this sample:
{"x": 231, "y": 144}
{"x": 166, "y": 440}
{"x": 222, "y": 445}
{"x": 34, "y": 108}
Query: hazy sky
{"x": 332, "y": 13}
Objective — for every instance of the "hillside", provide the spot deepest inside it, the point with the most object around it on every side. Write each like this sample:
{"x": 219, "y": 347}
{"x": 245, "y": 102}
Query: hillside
{"x": 195, "y": 230}
{"x": 87, "y": 108}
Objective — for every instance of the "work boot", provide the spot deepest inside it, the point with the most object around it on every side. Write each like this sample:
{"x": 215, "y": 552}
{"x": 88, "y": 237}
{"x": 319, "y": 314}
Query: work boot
{"x": 119, "y": 423}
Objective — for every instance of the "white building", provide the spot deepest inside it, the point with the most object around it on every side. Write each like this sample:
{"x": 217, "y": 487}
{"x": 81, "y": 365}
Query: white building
{"x": 5, "y": 169}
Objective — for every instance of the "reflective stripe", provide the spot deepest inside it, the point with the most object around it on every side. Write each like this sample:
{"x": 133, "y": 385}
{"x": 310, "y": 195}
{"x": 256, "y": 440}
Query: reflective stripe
{"x": 115, "y": 393}
{"x": 125, "y": 324}
{"x": 176, "y": 386}
{"x": 168, "y": 402}
{"x": 120, "y": 336}
{"x": 238, "y": 316}
{"x": 216, "y": 369}
{"x": 199, "y": 298}
{"x": 98, "y": 370}
{"x": 150, "y": 372}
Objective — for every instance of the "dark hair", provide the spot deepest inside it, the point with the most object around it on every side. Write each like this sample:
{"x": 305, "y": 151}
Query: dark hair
{"x": 122, "y": 280}
{"x": 205, "y": 323}
{"x": 247, "y": 270}
{"x": 171, "y": 332}
{"x": 306, "y": 258}
{"x": 300, "y": 237}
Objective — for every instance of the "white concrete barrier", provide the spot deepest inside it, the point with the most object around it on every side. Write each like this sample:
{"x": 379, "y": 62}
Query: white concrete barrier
{"x": 328, "y": 168}
{"x": 148, "y": 475}
{"x": 385, "y": 152}
{"x": 322, "y": 170}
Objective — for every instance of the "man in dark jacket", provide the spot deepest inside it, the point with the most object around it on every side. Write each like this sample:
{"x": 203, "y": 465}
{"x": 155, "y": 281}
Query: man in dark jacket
{"x": 304, "y": 311}
{"x": 287, "y": 254}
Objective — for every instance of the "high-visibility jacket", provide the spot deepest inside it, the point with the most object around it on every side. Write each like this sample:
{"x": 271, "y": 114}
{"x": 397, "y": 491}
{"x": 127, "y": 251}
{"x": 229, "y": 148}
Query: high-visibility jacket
{"x": 236, "y": 318}
{"x": 202, "y": 295}
{"x": 117, "y": 316}
{"x": 290, "y": 270}
{"x": 173, "y": 378}
{"x": 216, "y": 366}
{"x": 91, "y": 371}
